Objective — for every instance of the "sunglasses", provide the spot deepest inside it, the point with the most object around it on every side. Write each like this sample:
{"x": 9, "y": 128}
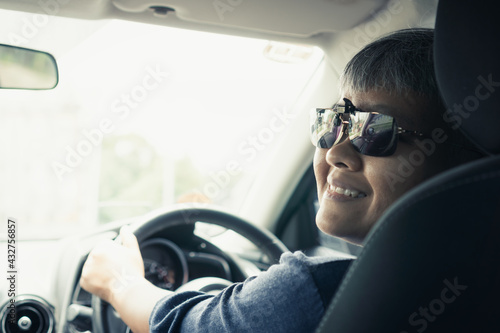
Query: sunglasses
{"x": 370, "y": 133}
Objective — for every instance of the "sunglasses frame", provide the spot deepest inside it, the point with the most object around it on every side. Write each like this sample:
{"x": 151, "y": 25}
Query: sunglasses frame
{"x": 350, "y": 109}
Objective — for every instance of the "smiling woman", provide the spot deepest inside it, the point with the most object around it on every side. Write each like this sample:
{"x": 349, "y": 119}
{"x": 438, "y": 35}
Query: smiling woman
{"x": 143, "y": 117}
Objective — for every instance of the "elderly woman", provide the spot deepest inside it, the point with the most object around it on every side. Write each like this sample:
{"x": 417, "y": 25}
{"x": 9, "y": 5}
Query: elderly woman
{"x": 385, "y": 135}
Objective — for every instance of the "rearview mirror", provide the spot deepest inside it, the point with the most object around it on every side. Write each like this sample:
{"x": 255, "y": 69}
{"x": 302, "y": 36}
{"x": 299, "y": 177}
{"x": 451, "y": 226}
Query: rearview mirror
{"x": 22, "y": 68}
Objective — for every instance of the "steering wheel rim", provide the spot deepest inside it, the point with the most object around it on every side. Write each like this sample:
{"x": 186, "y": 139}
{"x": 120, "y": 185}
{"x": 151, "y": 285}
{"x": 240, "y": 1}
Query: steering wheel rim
{"x": 153, "y": 223}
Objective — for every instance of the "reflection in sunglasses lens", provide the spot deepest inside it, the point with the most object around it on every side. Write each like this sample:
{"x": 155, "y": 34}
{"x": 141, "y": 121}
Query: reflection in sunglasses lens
{"x": 375, "y": 134}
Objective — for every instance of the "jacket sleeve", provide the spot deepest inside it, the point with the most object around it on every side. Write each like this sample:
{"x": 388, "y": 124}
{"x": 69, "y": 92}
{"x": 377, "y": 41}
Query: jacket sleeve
{"x": 285, "y": 298}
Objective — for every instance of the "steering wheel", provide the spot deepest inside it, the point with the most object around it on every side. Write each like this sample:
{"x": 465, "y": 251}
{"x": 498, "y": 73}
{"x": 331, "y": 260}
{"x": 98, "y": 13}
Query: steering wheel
{"x": 152, "y": 224}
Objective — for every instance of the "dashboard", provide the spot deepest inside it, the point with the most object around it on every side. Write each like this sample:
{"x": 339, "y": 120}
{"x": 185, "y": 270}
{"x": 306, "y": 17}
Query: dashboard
{"x": 49, "y": 296}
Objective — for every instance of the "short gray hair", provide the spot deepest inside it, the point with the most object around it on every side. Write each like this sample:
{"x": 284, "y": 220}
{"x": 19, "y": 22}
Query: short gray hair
{"x": 399, "y": 63}
{"x": 402, "y": 63}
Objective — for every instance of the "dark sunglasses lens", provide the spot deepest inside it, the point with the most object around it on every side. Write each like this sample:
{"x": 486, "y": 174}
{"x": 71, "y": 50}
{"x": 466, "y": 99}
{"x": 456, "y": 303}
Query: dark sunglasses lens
{"x": 325, "y": 128}
{"x": 373, "y": 134}
{"x": 326, "y": 141}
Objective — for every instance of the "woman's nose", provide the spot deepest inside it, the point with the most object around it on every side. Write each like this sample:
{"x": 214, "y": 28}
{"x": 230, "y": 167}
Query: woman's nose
{"x": 343, "y": 155}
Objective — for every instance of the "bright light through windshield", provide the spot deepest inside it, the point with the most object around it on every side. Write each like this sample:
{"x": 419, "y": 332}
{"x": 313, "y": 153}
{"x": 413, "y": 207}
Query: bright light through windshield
{"x": 143, "y": 117}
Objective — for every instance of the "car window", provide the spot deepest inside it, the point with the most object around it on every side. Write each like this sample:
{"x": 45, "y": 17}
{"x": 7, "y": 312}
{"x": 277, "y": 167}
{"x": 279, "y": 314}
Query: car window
{"x": 143, "y": 117}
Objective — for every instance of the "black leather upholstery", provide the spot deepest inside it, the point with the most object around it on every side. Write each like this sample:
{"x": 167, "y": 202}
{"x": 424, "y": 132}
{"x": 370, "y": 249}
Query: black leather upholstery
{"x": 432, "y": 262}
{"x": 467, "y": 53}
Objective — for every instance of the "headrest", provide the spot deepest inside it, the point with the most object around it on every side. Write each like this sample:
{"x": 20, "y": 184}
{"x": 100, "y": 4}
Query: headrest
{"x": 467, "y": 60}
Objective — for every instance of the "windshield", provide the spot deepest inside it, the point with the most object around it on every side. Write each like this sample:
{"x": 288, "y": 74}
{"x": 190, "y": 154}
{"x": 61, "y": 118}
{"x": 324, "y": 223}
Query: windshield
{"x": 143, "y": 117}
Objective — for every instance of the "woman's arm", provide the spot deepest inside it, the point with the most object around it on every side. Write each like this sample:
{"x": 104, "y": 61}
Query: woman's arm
{"x": 136, "y": 303}
{"x": 285, "y": 298}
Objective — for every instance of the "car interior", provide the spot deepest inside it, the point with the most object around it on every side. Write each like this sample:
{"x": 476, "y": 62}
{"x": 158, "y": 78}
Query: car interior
{"x": 189, "y": 121}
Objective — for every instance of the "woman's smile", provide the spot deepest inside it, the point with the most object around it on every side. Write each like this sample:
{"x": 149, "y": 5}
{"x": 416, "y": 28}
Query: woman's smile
{"x": 342, "y": 191}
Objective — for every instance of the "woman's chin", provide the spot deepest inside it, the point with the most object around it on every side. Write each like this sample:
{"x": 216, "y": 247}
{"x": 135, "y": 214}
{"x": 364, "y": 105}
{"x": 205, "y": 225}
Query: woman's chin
{"x": 340, "y": 227}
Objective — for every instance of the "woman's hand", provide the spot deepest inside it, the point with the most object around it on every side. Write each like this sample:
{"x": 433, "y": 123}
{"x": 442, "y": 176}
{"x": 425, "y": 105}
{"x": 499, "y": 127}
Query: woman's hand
{"x": 114, "y": 271}
{"x": 113, "y": 267}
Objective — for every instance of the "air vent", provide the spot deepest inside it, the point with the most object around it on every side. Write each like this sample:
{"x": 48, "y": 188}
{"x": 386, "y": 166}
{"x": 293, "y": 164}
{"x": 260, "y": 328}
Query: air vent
{"x": 32, "y": 314}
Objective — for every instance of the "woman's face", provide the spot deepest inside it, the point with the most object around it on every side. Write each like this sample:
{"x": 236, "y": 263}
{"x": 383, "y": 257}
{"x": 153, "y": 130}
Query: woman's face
{"x": 376, "y": 181}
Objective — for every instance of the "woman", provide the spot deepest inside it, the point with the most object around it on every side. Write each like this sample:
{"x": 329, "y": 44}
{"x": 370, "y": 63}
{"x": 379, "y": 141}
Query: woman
{"x": 385, "y": 136}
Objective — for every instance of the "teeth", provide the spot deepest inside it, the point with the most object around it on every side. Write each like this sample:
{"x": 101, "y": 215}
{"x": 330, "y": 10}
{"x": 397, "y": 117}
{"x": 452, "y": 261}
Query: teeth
{"x": 340, "y": 190}
{"x": 346, "y": 192}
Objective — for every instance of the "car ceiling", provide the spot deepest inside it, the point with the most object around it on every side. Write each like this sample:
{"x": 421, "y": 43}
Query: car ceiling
{"x": 297, "y": 19}
{"x": 288, "y": 17}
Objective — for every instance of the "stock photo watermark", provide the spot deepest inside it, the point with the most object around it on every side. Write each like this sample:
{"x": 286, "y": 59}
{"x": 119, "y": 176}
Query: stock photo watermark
{"x": 248, "y": 150}
{"x": 223, "y": 6}
{"x": 12, "y": 269}
{"x": 30, "y": 28}
{"x": 425, "y": 315}
{"x": 408, "y": 165}
{"x": 372, "y": 29}
{"x": 122, "y": 280}
{"x": 454, "y": 116}
{"x": 121, "y": 107}
{"x": 460, "y": 111}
